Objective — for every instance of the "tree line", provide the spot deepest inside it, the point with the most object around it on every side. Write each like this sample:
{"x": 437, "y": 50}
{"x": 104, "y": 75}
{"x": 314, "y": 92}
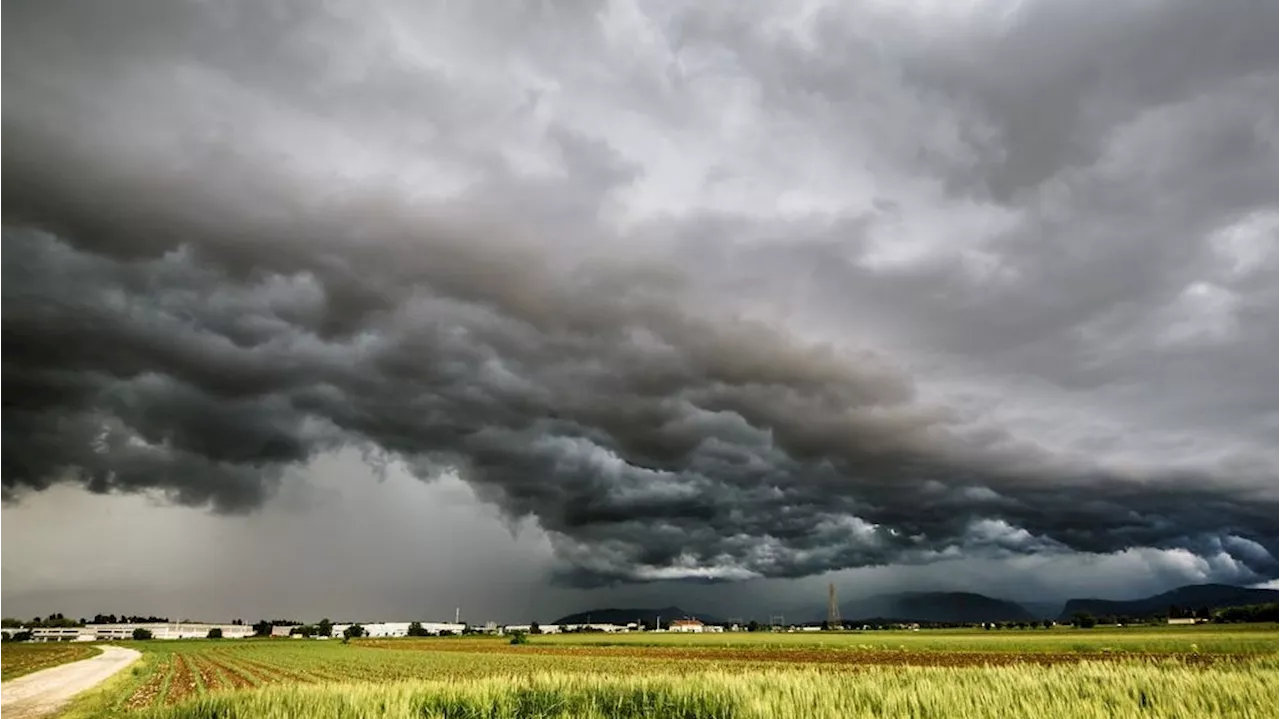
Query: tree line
{"x": 58, "y": 620}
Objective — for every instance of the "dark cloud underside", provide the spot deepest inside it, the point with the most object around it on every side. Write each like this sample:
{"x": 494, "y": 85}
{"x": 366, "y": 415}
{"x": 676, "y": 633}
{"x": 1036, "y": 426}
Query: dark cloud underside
{"x": 217, "y": 267}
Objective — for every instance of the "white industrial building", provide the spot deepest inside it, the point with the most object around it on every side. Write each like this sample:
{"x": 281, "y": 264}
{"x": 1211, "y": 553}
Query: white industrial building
{"x": 61, "y": 634}
{"x": 112, "y": 632}
{"x": 528, "y": 628}
{"x": 559, "y": 628}
{"x": 610, "y": 628}
{"x": 401, "y": 629}
{"x": 179, "y": 630}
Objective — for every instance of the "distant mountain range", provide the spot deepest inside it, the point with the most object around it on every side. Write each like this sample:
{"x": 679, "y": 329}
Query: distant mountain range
{"x": 951, "y": 607}
{"x": 964, "y": 607}
{"x": 1194, "y": 596}
{"x": 624, "y": 616}
{"x": 1043, "y": 610}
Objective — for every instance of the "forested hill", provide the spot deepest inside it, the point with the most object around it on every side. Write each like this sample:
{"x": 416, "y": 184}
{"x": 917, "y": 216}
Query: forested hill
{"x": 1192, "y": 597}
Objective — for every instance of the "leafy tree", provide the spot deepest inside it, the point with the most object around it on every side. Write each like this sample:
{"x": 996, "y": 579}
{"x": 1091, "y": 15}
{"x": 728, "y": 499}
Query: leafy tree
{"x": 1047, "y": 624}
{"x": 519, "y": 638}
{"x": 262, "y": 628}
{"x": 10, "y": 623}
{"x": 355, "y": 631}
{"x": 1083, "y": 620}
{"x": 534, "y": 628}
{"x": 141, "y": 634}
{"x": 416, "y": 630}
{"x": 324, "y": 628}
{"x": 1248, "y": 613}
{"x": 826, "y": 626}
{"x": 753, "y": 626}
{"x": 215, "y": 633}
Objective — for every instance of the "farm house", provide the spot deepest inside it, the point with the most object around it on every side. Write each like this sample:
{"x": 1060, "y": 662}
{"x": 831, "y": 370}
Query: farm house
{"x": 687, "y": 625}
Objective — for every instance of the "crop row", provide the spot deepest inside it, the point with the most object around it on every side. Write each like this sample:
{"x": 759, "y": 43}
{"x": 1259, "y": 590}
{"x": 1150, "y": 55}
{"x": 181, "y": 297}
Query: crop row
{"x": 186, "y": 672}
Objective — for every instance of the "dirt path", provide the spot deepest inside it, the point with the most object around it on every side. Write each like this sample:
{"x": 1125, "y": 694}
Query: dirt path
{"x": 47, "y": 690}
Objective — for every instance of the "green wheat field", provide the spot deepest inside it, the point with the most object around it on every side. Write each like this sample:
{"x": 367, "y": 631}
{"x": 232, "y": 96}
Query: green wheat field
{"x": 1186, "y": 672}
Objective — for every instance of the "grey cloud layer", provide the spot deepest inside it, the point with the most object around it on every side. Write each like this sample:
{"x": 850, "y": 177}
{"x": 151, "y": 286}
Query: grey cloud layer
{"x": 217, "y": 268}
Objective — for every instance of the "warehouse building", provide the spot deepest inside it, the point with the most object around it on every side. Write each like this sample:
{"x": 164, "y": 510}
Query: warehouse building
{"x": 177, "y": 630}
{"x": 401, "y": 629}
{"x": 113, "y": 632}
{"x": 62, "y": 634}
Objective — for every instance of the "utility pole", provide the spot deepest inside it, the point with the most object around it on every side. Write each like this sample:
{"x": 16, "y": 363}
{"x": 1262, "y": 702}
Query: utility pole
{"x": 457, "y": 614}
{"x": 833, "y": 608}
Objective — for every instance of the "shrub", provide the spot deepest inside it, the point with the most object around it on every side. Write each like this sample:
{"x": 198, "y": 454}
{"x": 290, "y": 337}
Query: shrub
{"x": 141, "y": 634}
{"x": 214, "y": 633}
{"x": 1084, "y": 620}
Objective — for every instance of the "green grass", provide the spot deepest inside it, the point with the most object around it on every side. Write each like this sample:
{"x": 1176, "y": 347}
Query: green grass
{"x": 19, "y": 658}
{"x": 1087, "y": 690}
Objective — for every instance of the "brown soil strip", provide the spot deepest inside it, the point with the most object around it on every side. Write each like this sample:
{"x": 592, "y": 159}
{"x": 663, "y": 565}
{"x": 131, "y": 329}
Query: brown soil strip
{"x": 263, "y": 673}
{"x": 183, "y": 685}
{"x": 277, "y": 673}
{"x": 147, "y": 694}
{"x": 209, "y": 677}
{"x": 235, "y": 677}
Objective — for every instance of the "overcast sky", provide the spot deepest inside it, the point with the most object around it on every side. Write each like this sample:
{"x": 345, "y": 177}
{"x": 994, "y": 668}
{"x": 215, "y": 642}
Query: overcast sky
{"x": 375, "y": 310}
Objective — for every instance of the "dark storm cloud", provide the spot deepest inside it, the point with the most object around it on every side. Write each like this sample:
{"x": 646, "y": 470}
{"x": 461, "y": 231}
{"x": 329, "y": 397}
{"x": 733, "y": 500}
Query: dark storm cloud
{"x": 213, "y": 272}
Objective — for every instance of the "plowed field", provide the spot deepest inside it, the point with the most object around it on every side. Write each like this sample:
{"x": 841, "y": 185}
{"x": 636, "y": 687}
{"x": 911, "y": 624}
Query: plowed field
{"x": 17, "y": 659}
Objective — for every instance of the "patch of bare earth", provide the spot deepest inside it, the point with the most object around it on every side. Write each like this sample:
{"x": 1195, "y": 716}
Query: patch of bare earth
{"x": 183, "y": 684}
{"x": 149, "y": 692}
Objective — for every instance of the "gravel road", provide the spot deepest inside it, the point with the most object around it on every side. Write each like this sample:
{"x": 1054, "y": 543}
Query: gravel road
{"x": 44, "y": 692}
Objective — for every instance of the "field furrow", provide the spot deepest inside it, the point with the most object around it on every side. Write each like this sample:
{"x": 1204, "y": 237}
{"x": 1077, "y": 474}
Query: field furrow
{"x": 234, "y": 676}
{"x": 207, "y": 675}
{"x": 150, "y": 691}
{"x": 183, "y": 684}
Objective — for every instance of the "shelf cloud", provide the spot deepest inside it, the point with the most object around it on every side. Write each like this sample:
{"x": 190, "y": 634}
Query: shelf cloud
{"x": 712, "y": 295}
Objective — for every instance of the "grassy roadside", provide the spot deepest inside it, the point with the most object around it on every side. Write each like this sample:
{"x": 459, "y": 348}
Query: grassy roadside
{"x": 111, "y": 697}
